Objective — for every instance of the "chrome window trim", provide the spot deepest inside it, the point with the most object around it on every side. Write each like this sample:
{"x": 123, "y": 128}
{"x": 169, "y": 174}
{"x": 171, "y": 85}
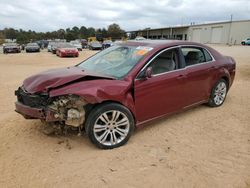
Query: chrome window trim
{"x": 186, "y": 67}
{"x": 168, "y": 72}
{"x": 196, "y": 46}
{"x": 162, "y": 51}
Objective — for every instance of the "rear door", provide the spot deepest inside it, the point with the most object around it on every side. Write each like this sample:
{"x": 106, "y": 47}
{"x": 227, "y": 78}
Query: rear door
{"x": 200, "y": 69}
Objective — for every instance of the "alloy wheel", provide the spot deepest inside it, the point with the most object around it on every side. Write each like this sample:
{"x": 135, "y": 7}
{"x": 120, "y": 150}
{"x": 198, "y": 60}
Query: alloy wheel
{"x": 220, "y": 93}
{"x": 111, "y": 127}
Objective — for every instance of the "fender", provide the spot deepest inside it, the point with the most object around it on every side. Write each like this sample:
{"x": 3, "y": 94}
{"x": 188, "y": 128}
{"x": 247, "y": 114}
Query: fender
{"x": 99, "y": 91}
{"x": 222, "y": 72}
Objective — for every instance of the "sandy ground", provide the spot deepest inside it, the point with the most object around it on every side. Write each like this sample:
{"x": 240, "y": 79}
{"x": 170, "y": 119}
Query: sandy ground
{"x": 202, "y": 147}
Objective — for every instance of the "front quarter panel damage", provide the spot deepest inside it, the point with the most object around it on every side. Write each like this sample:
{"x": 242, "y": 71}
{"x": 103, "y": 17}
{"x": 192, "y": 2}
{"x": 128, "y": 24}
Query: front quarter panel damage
{"x": 98, "y": 91}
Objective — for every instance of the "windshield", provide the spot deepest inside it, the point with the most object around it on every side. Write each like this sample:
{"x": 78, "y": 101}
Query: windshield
{"x": 65, "y": 45}
{"x": 115, "y": 61}
{"x": 107, "y": 41}
{"x": 11, "y": 45}
{"x": 32, "y": 44}
{"x": 74, "y": 42}
{"x": 95, "y": 43}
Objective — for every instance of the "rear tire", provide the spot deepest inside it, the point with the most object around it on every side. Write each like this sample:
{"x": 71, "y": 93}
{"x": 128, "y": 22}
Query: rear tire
{"x": 218, "y": 94}
{"x": 109, "y": 125}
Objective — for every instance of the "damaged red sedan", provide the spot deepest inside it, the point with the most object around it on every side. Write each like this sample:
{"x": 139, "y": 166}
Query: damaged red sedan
{"x": 125, "y": 86}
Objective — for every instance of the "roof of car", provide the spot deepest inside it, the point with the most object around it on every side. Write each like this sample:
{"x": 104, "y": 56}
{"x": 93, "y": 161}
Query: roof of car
{"x": 10, "y": 44}
{"x": 158, "y": 43}
{"x": 32, "y": 43}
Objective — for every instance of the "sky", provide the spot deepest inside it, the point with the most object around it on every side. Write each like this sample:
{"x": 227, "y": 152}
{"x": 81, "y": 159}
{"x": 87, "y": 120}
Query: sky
{"x": 50, "y": 15}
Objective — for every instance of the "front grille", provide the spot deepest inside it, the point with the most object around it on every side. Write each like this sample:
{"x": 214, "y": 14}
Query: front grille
{"x": 11, "y": 49}
{"x": 32, "y": 100}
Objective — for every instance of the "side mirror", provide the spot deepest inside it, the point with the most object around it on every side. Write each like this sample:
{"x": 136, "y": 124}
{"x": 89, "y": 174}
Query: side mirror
{"x": 148, "y": 72}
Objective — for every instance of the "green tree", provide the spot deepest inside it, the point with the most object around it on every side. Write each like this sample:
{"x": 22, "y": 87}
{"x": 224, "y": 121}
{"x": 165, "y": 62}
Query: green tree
{"x": 2, "y": 37}
{"x": 91, "y": 32}
{"x": 76, "y": 32}
{"x": 83, "y": 32}
{"x": 70, "y": 36}
{"x": 61, "y": 34}
{"x": 23, "y": 36}
{"x": 104, "y": 33}
{"x": 115, "y": 32}
{"x": 10, "y": 33}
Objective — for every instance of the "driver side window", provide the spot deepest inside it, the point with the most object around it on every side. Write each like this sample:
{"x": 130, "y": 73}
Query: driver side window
{"x": 165, "y": 62}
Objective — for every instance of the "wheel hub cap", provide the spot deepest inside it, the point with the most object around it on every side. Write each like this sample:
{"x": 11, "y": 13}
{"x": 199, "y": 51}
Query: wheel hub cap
{"x": 111, "y": 127}
{"x": 220, "y": 93}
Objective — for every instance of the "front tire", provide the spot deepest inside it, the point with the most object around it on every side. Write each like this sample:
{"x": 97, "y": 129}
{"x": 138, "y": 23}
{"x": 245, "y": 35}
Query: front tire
{"x": 109, "y": 125}
{"x": 218, "y": 94}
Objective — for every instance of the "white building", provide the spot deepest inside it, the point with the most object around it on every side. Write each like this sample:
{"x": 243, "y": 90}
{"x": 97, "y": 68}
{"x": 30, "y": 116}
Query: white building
{"x": 227, "y": 32}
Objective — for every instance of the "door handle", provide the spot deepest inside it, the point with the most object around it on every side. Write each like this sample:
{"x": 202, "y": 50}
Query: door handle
{"x": 180, "y": 77}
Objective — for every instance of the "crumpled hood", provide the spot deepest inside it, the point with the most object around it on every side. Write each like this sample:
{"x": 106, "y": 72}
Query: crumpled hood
{"x": 44, "y": 81}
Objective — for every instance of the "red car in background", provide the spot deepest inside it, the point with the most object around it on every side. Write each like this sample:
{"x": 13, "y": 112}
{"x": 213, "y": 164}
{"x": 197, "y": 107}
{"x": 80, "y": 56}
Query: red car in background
{"x": 67, "y": 50}
{"x": 125, "y": 86}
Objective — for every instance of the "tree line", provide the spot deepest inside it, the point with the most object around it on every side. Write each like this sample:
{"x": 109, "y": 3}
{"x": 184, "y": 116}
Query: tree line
{"x": 114, "y": 31}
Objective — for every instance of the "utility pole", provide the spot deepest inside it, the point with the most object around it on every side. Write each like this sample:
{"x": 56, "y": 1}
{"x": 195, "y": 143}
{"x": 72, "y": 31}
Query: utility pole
{"x": 230, "y": 27}
{"x": 148, "y": 28}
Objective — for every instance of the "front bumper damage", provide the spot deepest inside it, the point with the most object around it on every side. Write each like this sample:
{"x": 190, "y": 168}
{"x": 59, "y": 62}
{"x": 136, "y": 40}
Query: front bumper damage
{"x": 67, "y": 109}
{"x": 29, "y": 112}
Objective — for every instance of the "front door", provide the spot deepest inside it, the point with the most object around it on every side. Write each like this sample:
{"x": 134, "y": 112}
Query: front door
{"x": 164, "y": 92}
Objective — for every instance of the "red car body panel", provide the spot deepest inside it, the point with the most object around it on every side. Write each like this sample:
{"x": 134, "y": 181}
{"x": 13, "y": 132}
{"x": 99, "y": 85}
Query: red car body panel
{"x": 157, "y": 88}
{"x": 66, "y": 52}
{"x": 100, "y": 90}
{"x": 29, "y": 112}
{"x": 44, "y": 81}
{"x": 147, "y": 99}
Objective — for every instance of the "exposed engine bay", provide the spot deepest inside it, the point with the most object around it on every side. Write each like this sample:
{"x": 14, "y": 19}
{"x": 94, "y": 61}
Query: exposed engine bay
{"x": 65, "y": 110}
{"x": 69, "y": 109}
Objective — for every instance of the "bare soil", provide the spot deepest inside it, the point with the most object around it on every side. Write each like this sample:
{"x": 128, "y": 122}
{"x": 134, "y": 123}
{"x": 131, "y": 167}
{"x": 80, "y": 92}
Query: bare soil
{"x": 202, "y": 147}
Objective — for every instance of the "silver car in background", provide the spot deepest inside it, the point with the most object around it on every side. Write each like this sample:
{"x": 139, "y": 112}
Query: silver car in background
{"x": 76, "y": 44}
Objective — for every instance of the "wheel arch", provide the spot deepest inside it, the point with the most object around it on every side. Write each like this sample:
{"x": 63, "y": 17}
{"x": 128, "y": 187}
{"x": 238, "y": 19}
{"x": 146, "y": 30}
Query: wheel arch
{"x": 224, "y": 74}
{"x": 226, "y": 79}
{"x": 90, "y": 107}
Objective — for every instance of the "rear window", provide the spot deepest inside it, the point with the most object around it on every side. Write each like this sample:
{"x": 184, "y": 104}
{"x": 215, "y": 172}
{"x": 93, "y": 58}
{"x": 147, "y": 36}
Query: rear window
{"x": 195, "y": 55}
{"x": 207, "y": 55}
